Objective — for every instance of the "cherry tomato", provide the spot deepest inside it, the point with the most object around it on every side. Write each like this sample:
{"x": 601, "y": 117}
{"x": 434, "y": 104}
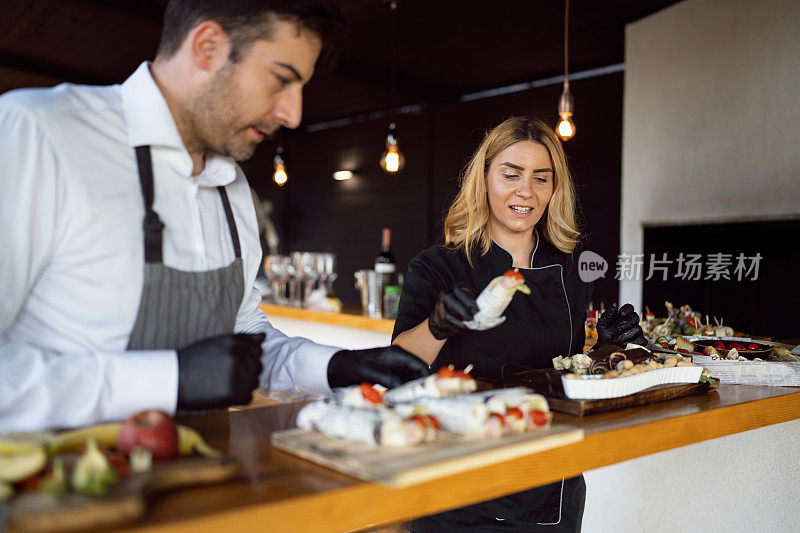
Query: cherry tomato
{"x": 514, "y": 274}
{"x": 514, "y": 412}
{"x": 753, "y": 346}
{"x": 119, "y": 462}
{"x": 369, "y": 393}
{"x": 499, "y": 417}
{"x": 738, "y": 346}
{"x": 420, "y": 420}
{"x": 719, "y": 345}
{"x": 446, "y": 372}
{"x": 539, "y": 418}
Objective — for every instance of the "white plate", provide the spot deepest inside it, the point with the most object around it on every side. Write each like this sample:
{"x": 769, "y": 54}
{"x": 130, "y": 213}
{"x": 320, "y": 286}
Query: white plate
{"x": 595, "y": 387}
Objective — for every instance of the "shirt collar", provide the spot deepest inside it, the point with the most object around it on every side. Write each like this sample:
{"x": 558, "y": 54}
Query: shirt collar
{"x": 147, "y": 115}
{"x": 150, "y": 123}
{"x": 506, "y": 257}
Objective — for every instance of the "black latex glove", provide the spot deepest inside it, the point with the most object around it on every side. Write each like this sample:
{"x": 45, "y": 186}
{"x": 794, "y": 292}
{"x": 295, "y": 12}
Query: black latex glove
{"x": 390, "y": 366}
{"x": 619, "y": 327}
{"x": 452, "y": 309}
{"x": 219, "y": 371}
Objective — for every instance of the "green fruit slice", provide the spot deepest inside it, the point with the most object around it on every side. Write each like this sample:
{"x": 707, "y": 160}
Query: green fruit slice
{"x": 22, "y": 463}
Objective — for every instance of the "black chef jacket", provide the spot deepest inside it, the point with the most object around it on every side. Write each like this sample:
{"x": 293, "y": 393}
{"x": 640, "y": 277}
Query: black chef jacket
{"x": 538, "y": 327}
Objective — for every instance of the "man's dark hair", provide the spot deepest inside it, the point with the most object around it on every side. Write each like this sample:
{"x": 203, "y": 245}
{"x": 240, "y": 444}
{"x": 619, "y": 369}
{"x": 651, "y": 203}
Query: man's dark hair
{"x": 246, "y": 21}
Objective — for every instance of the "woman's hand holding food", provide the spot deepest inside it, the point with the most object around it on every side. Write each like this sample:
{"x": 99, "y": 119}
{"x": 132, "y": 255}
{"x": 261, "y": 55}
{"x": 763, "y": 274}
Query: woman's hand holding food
{"x": 619, "y": 327}
{"x": 452, "y": 309}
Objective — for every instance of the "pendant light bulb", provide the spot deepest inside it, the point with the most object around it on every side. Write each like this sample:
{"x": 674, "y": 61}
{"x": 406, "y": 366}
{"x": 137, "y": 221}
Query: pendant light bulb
{"x": 566, "y": 127}
{"x": 392, "y": 160}
{"x": 280, "y": 177}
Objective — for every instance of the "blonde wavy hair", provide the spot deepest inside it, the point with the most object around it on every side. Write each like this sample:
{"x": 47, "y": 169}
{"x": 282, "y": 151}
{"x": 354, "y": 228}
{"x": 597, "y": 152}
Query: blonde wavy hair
{"x": 467, "y": 221}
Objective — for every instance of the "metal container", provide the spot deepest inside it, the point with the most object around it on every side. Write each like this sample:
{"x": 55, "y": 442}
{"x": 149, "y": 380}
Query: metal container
{"x": 368, "y": 285}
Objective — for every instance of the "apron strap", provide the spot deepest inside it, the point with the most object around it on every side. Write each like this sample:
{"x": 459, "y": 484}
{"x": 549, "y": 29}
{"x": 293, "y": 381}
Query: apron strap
{"x": 237, "y": 249}
{"x": 153, "y": 227}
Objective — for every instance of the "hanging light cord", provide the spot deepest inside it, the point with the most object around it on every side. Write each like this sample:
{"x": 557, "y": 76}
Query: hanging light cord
{"x": 566, "y": 40}
{"x": 393, "y": 69}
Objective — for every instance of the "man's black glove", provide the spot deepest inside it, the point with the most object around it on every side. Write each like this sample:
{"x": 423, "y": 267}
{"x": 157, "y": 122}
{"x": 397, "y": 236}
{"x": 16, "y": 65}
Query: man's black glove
{"x": 619, "y": 327}
{"x": 219, "y": 371}
{"x": 390, "y": 366}
{"x": 452, "y": 309}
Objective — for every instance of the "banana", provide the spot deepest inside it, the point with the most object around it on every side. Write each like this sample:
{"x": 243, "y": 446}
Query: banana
{"x": 75, "y": 439}
{"x": 189, "y": 440}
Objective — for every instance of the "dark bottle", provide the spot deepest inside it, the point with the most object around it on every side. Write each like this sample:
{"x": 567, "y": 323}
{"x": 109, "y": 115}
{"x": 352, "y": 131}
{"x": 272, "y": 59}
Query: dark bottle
{"x": 385, "y": 267}
{"x": 385, "y": 263}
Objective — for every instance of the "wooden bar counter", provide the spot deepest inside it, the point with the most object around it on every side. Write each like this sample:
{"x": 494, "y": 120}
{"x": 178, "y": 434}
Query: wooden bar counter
{"x": 279, "y": 492}
{"x": 349, "y": 317}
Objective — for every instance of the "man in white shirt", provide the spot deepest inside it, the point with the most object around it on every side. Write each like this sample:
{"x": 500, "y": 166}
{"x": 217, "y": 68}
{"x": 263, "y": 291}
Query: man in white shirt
{"x": 128, "y": 238}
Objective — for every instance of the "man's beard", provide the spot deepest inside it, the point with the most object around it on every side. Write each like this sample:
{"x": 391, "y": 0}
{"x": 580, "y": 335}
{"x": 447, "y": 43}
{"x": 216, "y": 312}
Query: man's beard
{"x": 215, "y": 119}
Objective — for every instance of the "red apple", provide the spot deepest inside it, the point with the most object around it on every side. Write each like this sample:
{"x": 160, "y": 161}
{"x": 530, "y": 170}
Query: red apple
{"x": 154, "y": 430}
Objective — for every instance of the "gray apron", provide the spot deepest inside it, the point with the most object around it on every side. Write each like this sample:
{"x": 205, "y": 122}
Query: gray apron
{"x": 179, "y": 308}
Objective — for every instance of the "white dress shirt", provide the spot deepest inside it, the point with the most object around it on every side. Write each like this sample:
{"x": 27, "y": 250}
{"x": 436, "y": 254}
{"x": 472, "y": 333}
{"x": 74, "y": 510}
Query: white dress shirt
{"x": 72, "y": 255}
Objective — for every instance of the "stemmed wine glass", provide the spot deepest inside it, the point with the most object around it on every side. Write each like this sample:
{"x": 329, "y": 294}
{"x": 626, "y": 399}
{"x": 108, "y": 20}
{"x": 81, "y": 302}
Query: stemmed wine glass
{"x": 275, "y": 269}
{"x": 295, "y": 267}
{"x": 308, "y": 266}
{"x": 328, "y": 270}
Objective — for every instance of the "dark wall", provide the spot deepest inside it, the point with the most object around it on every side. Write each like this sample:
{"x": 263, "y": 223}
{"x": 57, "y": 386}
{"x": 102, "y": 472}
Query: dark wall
{"x": 765, "y": 303}
{"x": 316, "y": 213}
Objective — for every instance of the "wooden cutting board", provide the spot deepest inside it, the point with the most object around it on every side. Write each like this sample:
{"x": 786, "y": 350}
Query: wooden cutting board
{"x": 551, "y": 388}
{"x": 401, "y": 467}
{"x": 126, "y": 502}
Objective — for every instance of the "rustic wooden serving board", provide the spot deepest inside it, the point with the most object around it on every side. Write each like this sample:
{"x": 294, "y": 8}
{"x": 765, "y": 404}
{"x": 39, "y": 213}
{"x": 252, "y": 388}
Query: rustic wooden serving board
{"x": 401, "y": 467}
{"x": 124, "y": 504}
{"x": 552, "y": 390}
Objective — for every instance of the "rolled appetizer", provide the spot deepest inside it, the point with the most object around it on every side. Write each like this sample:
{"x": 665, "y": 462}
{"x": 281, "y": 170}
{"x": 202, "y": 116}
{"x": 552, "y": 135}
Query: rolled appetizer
{"x": 364, "y": 396}
{"x": 494, "y": 299}
{"x": 465, "y": 415}
{"x": 521, "y": 408}
{"x": 430, "y": 426}
{"x": 446, "y": 382}
{"x": 371, "y": 426}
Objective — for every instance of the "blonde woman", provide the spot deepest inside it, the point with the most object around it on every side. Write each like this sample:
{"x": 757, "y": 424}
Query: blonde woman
{"x": 515, "y": 209}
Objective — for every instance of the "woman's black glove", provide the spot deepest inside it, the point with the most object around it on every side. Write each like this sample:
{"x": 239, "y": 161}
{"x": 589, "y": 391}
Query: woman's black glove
{"x": 619, "y": 327}
{"x": 390, "y": 366}
{"x": 452, "y": 309}
{"x": 219, "y": 371}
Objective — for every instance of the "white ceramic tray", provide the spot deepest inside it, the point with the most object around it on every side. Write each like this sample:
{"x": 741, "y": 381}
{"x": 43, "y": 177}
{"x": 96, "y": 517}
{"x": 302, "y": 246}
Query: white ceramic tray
{"x": 594, "y": 387}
